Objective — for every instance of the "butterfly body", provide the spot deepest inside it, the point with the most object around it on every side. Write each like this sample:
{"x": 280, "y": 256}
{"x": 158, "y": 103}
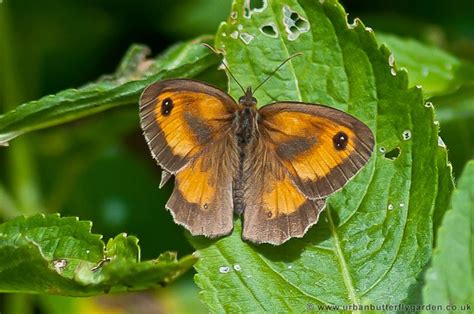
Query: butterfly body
{"x": 274, "y": 166}
{"x": 245, "y": 133}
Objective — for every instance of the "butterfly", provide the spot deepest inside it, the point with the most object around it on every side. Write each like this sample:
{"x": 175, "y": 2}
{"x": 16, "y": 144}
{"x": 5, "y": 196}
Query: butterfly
{"x": 274, "y": 166}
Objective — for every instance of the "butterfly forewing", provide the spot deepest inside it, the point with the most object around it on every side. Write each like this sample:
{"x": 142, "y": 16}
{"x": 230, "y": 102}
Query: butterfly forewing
{"x": 321, "y": 148}
{"x": 180, "y": 117}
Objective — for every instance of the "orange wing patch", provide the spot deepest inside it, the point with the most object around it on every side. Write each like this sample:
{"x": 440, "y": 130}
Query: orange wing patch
{"x": 186, "y": 128}
{"x": 281, "y": 198}
{"x": 196, "y": 184}
{"x": 176, "y": 132}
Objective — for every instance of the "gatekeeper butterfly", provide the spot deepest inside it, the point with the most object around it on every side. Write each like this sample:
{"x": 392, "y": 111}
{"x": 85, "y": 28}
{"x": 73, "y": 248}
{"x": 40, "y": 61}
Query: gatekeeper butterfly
{"x": 275, "y": 165}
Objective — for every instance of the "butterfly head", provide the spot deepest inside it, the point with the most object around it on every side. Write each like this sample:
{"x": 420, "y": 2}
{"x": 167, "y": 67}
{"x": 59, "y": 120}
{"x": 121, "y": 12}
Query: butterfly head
{"x": 248, "y": 100}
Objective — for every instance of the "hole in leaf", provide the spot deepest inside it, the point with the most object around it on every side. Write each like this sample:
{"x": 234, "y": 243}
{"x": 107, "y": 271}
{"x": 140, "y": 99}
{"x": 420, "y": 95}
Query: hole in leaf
{"x": 294, "y": 23}
{"x": 246, "y": 12}
{"x": 269, "y": 30}
{"x": 257, "y": 4}
{"x": 301, "y": 23}
{"x": 393, "y": 154}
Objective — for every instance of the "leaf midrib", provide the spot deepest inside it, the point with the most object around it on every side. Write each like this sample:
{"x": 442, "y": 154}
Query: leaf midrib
{"x": 346, "y": 276}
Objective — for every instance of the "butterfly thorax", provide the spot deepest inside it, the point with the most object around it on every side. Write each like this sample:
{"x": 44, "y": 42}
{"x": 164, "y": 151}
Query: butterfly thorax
{"x": 246, "y": 117}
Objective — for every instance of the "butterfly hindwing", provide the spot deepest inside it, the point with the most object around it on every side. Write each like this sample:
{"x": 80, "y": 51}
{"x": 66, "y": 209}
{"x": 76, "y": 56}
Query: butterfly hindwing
{"x": 321, "y": 148}
{"x": 275, "y": 209}
{"x": 180, "y": 117}
{"x": 202, "y": 196}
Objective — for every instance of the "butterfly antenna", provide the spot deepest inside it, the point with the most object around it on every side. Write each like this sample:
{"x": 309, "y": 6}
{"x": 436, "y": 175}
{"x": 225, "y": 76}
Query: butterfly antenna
{"x": 278, "y": 68}
{"x": 225, "y": 65}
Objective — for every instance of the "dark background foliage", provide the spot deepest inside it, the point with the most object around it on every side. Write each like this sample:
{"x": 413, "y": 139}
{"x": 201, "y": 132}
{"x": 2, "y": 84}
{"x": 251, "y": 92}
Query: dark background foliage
{"x": 99, "y": 168}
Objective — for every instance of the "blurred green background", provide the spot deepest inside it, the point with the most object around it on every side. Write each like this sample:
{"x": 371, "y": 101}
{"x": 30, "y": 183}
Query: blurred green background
{"x": 99, "y": 168}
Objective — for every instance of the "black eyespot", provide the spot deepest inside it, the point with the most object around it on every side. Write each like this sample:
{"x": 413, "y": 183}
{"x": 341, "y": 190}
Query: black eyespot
{"x": 166, "y": 106}
{"x": 269, "y": 214}
{"x": 340, "y": 140}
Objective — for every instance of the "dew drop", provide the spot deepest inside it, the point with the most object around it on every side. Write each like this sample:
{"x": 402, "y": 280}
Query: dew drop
{"x": 237, "y": 267}
{"x": 233, "y": 15}
{"x": 436, "y": 122}
{"x": 249, "y": 276}
{"x": 234, "y": 34}
{"x": 419, "y": 86}
{"x": 224, "y": 269}
{"x": 428, "y": 104}
{"x": 393, "y": 71}
{"x": 402, "y": 205}
{"x": 88, "y": 251}
{"x": 390, "y": 207}
{"x": 290, "y": 267}
{"x": 240, "y": 27}
{"x": 406, "y": 135}
{"x": 382, "y": 150}
{"x": 369, "y": 29}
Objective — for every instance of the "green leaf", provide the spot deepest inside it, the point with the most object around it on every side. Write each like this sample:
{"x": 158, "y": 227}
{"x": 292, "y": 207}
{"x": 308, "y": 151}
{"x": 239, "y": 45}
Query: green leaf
{"x": 436, "y": 70}
{"x": 375, "y": 236}
{"x": 124, "y": 87}
{"x": 449, "y": 82}
{"x": 455, "y": 112}
{"x": 54, "y": 255}
{"x": 450, "y": 279}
